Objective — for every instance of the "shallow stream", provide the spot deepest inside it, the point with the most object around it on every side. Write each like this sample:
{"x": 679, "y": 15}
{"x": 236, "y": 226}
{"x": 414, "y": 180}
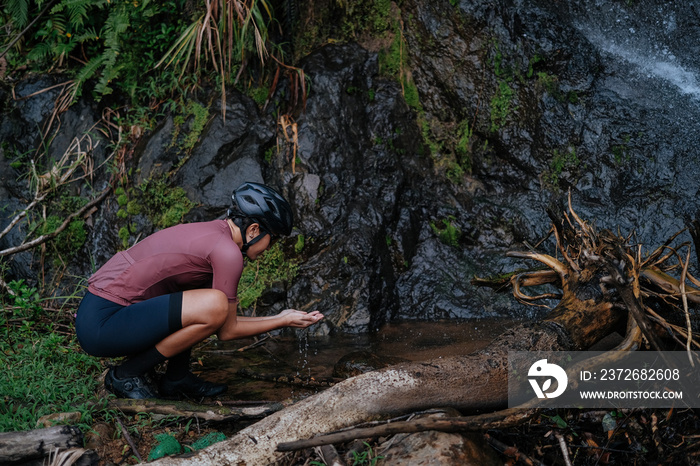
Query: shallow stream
{"x": 313, "y": 358}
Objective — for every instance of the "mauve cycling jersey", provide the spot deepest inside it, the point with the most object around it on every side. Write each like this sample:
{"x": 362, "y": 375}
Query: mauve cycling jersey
{"x": 179, "y": 258}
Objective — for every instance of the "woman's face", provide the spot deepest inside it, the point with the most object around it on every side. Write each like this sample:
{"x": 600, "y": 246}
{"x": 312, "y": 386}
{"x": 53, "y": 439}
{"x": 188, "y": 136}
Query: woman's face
{"x": 258, "y": 248}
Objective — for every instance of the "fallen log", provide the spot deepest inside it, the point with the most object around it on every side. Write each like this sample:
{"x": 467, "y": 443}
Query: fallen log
{"x": 19, "y": 447}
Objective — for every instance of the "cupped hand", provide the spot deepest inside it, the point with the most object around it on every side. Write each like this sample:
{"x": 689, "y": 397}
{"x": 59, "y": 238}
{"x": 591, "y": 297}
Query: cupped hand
{"x": 300, "y": 319}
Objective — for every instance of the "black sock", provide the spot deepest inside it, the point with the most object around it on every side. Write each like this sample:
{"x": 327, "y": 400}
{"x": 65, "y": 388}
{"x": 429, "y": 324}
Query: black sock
{"x": 139, "y": 364}
{"x": 178, "y": 365}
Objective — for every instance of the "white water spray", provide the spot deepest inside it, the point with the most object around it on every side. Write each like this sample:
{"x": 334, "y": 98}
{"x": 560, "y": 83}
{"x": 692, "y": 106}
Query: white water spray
{"x": 644, "y": 43}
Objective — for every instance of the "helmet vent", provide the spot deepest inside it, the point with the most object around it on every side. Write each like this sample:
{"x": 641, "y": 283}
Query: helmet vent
{"x": 272, "y": 206}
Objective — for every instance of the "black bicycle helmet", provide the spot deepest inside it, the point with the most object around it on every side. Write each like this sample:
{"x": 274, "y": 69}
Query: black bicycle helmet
{"x": 264, "y": 205}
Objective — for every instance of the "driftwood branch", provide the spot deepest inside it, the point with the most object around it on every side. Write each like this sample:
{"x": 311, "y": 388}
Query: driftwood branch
{"x": 126, "y": 435}
{"x": 497, "y": 420}
{"x": 212, "y": 413}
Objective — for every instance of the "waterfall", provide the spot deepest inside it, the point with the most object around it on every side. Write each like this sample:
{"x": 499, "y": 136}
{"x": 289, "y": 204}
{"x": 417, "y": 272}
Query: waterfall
{"x": 647, "y": 37}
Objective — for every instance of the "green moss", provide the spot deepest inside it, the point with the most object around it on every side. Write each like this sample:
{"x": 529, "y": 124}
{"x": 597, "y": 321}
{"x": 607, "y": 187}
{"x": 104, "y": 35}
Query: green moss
{"x": 269, "y": 153}
{"x": 448, "y": 233}
{"x": 501, "y": 105}
{"x": 531, "y": 65}
{"x": 464, "y": 147}
{"x": 393, "y": 60}
{"x": 259, "y": 94}
{"x": 68, "y": 242}
{"x": 561, "y": 160}
{"x": 549, "y": 82}
{"x": 166, "y": 205}
{"x": 124, "y": 236}
{"x": 197, "y": 116}
{"x": 299, "y": 246}
{"x": 410, "y": 93}
{"x": 133, "y": 208}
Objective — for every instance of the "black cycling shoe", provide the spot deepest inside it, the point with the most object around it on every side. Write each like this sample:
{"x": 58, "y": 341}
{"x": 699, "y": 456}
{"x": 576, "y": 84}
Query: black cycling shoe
{"x": 190, "y": 386}
{"x": 136, "y": 388}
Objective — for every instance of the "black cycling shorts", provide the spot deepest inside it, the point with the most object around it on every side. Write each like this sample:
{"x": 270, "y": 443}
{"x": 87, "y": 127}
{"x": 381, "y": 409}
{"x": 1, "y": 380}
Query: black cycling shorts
{"x": 108, "y": 329}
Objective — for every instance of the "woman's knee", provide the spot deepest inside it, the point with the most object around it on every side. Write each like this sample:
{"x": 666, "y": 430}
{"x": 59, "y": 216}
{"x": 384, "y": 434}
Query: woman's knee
{"x": 220, "y": 309}
{"x": 209, "y": 307}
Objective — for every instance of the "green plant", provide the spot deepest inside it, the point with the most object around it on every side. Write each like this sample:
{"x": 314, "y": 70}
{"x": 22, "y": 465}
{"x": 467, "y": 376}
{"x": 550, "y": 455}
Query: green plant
{"x": 24, "y": 300}
{"x": 501, "y": 105}
{"x": 150, "y": 50}
{"x": 257, "y": 276}
{"x": 449, "y": 233}
{"x": 561, "y": 161}
{"x": 299, "y": 245}
{"x": 223, "y": 35}
{"x": 110, "y": 37}
{"x": 45, "y": 374}
{"x": 197, "y": 115}
{"x": 366, "y": 457}
{"x": 166, "y": 205}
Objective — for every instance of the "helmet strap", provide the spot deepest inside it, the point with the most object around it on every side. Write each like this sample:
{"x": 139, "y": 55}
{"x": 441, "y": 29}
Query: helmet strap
{"x": 243, "y": 223}
{"x": 247, "y": 244}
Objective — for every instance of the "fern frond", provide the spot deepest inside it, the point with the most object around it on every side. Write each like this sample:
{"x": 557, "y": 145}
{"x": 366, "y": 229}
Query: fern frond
{"x": 88, "y": 34}
{"x": 89, "y": 70}
{"x": 77, "y": 11}
{"x": 40, "y": 52}
{"x": 19, "y": 12}
{"x": 58, "y": 23}
{"x": 109, "y": 74}
{"x": 117, "y": 23}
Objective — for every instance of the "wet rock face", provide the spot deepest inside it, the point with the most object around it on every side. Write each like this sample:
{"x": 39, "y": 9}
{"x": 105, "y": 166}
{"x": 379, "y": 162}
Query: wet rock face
{"x": 357, "y": 141}
{"x": 602, "y": 97}
{"x": 597, "y": 97}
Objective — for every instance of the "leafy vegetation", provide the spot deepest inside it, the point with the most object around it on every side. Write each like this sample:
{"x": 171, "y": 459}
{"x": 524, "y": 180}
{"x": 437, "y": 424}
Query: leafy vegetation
{"x": 165, "y": 204}
{"x": 146, "y": 49}
{"x": 257, "y": 276}
{"x": 44, "y": 372}
{"x": 198, "y": 116}
{"x": 561, "y": 161}
{"x": 448, "y": 233}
